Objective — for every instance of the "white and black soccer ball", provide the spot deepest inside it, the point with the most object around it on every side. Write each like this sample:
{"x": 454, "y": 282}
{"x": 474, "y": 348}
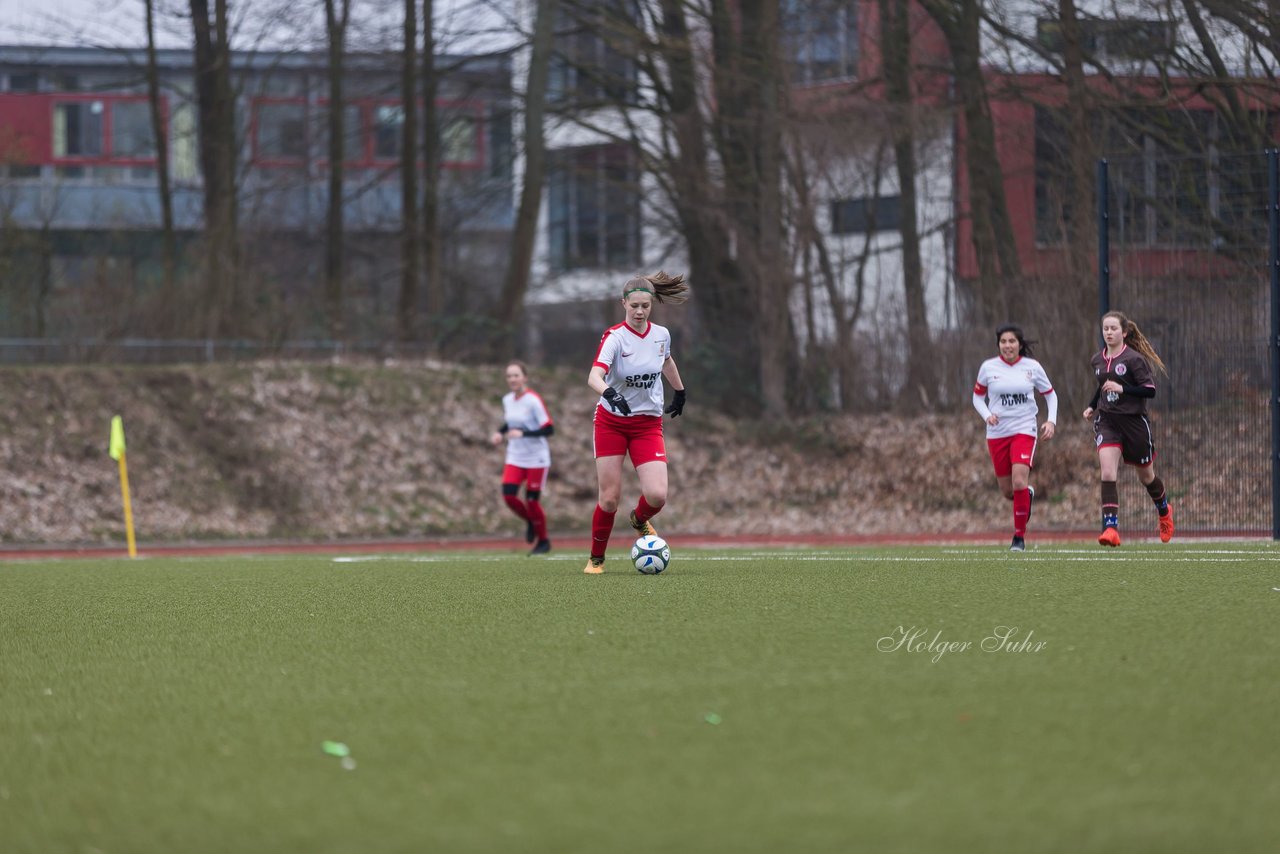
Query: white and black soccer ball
{"x": 651, "y": 555}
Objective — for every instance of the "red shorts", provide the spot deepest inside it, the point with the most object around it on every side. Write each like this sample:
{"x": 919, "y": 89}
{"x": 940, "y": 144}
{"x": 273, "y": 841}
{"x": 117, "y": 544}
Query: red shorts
{"x": 517, "y": 475}
{"x": 639, "y": 435}
{"x": 1018, "y": 448}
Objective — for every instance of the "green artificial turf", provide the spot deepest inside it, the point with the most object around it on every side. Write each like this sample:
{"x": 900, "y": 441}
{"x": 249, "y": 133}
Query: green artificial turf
{"x": 740, "y": 702}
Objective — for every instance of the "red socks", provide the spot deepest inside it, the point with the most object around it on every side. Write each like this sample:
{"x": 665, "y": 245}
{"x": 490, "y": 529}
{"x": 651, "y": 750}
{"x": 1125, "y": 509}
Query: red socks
{"x": 1021, "y": 510}
{"x": 539, "y": 520}
{"x": 517, "y": 506}
{"x": 601, "y": 528}
{"x": 644, "y": 512}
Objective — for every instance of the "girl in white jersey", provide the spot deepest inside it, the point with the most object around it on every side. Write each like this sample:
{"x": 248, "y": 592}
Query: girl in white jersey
{"x": 633, "y": 359}
{"x": 1004, "y": 396}
{"x": 526, "y": 424}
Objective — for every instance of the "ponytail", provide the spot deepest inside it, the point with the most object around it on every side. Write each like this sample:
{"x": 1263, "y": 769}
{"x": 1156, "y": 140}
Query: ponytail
{"x": 663, "y": 286}
{"x": 1134, "y": 338}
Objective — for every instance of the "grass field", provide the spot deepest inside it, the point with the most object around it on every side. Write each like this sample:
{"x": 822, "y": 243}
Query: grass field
{"x": 744, "y": 701}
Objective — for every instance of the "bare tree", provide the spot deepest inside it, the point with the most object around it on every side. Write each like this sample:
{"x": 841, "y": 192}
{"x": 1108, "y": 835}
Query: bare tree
{"x": 516, "y": 281}
{"x": 160, "y": 132}
{"x": 336, "y": 15}
{"x": 437, "y": 294}
{"x": 895, "y": 38}
{"x": 410, "y": 266}
{"x": 999, "y": 267}
{"x": 216, "y": 107}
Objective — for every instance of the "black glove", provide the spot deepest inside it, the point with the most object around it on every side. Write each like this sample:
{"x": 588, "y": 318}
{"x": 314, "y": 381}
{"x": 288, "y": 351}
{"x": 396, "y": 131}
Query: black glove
{"x": 676, "y": 409}
{"x": 616, "y": 400}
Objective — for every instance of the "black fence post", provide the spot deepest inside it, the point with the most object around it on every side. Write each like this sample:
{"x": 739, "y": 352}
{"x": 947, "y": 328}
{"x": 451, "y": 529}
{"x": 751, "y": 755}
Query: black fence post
{"x": 1104, "y": 240}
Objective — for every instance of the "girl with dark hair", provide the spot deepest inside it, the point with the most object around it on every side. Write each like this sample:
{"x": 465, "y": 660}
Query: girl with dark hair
{"x": 526, "y": 424}
{"x": 630, "y": 364}
{"x": 1004, "y": 396}
{"x": 1120, "y": 427}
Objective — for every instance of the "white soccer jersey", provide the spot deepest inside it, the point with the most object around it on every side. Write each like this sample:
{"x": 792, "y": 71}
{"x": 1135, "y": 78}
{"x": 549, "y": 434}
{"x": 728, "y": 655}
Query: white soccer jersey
{"x": 1009, "y": 392}
{"x": 633, "y": 365}
{"x": 526, "y": 412}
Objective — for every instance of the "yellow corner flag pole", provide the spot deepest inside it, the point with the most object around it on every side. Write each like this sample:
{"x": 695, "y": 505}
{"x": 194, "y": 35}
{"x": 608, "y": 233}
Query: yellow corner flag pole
{"x": 117, "y": 453}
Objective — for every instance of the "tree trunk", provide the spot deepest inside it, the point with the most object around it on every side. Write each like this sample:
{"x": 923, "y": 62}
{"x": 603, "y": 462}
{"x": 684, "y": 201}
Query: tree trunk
{"x": 777, "y": 337}
{"x": 438, "y": 299}
{"x": 748, "y": 84}
{"x": 335, "y": 19}
{"x": 515, "y": 284}
{"x": 216, "y": 107}
{"x": 721, "y": 293}
{"x": 410, "y": 268}
{"x": 159, "y": 129}
{"x": 895, "y": 37}
{"x": 998, "y": 264}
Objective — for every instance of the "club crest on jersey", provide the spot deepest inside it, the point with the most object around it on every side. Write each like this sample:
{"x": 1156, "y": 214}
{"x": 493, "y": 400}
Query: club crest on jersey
{"x": 662, "y": 348}
{"x": 1030, "y": 376}
{"x": 1121, "y": 369}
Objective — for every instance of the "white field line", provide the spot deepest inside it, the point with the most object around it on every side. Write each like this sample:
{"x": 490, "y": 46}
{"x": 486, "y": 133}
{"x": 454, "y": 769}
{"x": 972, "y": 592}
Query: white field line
{"x": 972, "y": 557}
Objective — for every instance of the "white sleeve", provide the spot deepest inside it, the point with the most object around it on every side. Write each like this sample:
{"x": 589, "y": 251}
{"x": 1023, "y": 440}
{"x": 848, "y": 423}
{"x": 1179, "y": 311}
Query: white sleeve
{"x": 980, "y": 404}
{"x": 540, "y": 412}
{"x": 1046, "y": 389}
{"x": 980, "y": 396}
{"x": 608, "y": 352}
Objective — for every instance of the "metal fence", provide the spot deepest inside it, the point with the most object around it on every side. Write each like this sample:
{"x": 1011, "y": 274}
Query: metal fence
{"x": 1187, "y": 249}
{"x": 54, "y": 351}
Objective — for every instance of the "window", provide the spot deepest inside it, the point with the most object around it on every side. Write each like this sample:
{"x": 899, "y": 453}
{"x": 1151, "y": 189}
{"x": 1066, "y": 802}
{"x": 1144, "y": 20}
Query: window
{"x": 281, "y": 131}
{"x": 18, "y": 171}
{"x": 28, "y": 81}
{"x": 131, "y": 135}
{"x": 77, "y": 129}
{"x": 865, "y": 215}
{"x": 593, "y": 208}
{"x": 1126, "y": 38}
{"x": 388, "y": 127}
{"x": 820, "y": 39}
{"x": 353, "y": 137}
{"x": 594, "y": 60}
{"x": 459, "y": 143}
{"x": 1173, "y": 179}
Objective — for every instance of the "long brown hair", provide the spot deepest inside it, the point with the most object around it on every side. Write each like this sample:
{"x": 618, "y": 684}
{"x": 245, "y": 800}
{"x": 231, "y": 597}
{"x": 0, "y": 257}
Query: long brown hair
{"x": 663, "y": 286}
{"x": 1134, "y": 338}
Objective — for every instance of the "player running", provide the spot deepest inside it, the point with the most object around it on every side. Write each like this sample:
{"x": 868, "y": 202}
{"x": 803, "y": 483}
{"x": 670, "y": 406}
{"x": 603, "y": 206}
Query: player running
{"x": 526, "y": 425}
{"x": 1004, "y": 396}
{"x": 1120, "y": 426}
{"x": 633, "y": 359}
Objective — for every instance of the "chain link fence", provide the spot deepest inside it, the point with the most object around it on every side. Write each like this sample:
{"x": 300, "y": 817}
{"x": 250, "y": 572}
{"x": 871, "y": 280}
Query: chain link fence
{"x": 1189, "y": 263}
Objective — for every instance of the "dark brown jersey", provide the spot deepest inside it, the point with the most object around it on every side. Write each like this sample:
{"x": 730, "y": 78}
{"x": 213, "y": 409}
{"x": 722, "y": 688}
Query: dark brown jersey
{"x": 1128, "y": 367}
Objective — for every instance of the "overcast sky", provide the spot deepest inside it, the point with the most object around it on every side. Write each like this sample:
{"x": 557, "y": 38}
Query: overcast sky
{"x": 461, "y": 24}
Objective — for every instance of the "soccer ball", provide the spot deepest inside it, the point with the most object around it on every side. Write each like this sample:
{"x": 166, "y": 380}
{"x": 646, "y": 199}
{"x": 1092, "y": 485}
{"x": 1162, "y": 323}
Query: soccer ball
{"x": 651, "y": 555}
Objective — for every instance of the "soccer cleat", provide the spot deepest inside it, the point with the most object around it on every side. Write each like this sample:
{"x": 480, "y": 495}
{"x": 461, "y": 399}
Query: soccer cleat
{"x": 1018, "y": 545}
{"x": 1166, "y": 525}
{"x": 543, "y": 547}
{"x": 1031, "y": 491}
{"x": 529, "y": 534}
{"x": 1109, "y": 537}
{"x": 643, "y": 529}
{"x": 595, "y": 566}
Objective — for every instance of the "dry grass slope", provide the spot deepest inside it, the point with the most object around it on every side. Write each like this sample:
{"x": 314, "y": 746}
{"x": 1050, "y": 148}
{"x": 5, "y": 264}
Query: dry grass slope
{"x": 363, "y": 450}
